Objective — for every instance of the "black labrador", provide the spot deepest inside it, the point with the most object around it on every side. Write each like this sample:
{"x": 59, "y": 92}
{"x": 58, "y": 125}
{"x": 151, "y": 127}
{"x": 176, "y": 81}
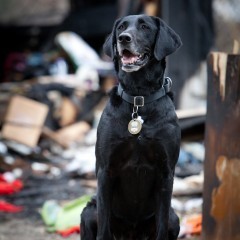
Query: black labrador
{"x": 138, "y": 138}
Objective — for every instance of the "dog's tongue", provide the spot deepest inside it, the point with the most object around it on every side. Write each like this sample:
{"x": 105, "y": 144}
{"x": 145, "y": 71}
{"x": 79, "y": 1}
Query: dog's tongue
{"x": 128, "y": 57}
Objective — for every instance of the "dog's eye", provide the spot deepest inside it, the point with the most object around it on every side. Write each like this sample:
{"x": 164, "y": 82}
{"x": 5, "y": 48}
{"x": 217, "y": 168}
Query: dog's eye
{"x": 120, "y": 27}
{"x": 144, "y": 26}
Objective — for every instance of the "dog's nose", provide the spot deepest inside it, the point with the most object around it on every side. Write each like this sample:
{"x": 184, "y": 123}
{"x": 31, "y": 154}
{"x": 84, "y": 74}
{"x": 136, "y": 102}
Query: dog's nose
{"x": 124, "y": 37}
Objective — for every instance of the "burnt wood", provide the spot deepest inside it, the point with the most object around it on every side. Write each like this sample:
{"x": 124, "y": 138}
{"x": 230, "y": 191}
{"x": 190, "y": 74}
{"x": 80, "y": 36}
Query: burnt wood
{"x": 221, "y": 210}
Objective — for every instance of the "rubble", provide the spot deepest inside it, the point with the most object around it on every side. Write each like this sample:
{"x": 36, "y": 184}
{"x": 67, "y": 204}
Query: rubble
{"x": 57, "y": 162}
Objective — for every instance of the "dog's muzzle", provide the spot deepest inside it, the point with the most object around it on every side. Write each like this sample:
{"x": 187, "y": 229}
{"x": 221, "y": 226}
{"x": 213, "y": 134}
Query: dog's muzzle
{"x": 131, "y": 59}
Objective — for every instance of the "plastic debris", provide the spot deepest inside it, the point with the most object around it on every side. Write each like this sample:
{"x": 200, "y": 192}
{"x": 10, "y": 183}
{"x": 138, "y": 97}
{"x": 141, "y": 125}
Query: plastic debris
{"x": 191, "y": 225}
{"x": 63, "y": 220}
{"x": 190, "y": 205}
{"x": 9, "y": 187}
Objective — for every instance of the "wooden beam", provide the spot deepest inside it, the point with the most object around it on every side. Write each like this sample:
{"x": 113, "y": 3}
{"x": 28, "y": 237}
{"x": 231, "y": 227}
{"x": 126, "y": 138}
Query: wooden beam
{"x": 221, "y": 208}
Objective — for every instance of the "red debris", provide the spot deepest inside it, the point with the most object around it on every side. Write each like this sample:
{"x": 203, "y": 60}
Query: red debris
{"x": 69, "y": 231}
{"x": 10, "y": 187}
{"x": 7, "y": 187}
{"x": 7, "y": 207}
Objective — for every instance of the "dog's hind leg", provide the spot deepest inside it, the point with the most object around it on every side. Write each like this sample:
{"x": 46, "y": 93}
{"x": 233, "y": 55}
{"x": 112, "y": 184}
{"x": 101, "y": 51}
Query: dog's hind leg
{"x": 88, "y": 226}
{"x": 173, "y": 225}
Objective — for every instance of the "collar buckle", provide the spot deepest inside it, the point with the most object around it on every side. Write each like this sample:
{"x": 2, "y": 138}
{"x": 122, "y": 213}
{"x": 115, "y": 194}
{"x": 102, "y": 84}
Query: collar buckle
{"x": 138, "y": 101}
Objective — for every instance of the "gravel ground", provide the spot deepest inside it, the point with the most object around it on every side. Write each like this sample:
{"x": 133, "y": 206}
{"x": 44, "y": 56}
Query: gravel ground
{"x": 25, "y": 229}
{"x": 28, "y": 224}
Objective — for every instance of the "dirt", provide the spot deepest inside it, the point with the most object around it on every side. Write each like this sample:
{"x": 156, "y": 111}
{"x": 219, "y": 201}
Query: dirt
{"x": 28, "y": 225}
{"x": 25, "y": 229}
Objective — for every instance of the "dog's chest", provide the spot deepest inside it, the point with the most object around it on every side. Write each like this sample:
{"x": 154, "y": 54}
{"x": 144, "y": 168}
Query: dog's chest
{"x": 134, "y": 154}
{"x": 134, "y": 157}
{"x": 134, "y": 170}
{"x": 129, "y": 152}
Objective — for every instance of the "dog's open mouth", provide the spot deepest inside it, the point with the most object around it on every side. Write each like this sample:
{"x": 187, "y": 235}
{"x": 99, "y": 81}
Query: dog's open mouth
{"x": 133, "y": 61}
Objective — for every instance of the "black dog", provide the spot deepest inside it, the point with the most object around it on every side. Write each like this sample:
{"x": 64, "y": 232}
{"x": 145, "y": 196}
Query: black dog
{"x": 138, "y": 138}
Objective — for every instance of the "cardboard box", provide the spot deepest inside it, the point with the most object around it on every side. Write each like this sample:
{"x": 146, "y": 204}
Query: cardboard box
{"x": 24, "y": 120}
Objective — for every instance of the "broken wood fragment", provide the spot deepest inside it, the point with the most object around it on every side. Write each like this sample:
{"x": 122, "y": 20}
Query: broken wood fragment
{"x": 69, "y": 135}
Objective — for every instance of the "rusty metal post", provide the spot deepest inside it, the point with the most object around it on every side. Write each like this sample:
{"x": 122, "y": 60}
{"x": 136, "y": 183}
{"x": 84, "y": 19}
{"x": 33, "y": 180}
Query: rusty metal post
{"x": 221, "y": 208}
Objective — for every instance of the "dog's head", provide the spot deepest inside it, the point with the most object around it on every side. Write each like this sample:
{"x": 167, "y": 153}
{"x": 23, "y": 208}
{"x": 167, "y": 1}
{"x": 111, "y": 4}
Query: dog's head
{"x": 135, "y": 39}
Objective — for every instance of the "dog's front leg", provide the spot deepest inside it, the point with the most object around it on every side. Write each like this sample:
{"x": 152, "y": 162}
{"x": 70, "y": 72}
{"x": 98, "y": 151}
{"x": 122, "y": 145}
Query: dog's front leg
{"x": 163, "y": 203}
{"x": 104, "y": 205}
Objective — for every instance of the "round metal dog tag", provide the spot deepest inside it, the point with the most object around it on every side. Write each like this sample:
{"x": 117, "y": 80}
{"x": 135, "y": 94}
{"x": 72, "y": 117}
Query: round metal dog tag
{"x": 134, "y": 126}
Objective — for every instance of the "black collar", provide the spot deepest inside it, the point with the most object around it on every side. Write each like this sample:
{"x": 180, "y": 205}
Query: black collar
{"x": 140, "y": 101}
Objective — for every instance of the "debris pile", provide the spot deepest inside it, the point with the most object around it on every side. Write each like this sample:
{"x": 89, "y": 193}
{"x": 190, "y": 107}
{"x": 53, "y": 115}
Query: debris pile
{"x": 47, "y": 146}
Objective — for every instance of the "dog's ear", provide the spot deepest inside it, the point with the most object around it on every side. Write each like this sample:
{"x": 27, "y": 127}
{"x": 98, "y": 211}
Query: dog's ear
{"x": 109, "y": 47}
{"x": 167, "y": 40}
